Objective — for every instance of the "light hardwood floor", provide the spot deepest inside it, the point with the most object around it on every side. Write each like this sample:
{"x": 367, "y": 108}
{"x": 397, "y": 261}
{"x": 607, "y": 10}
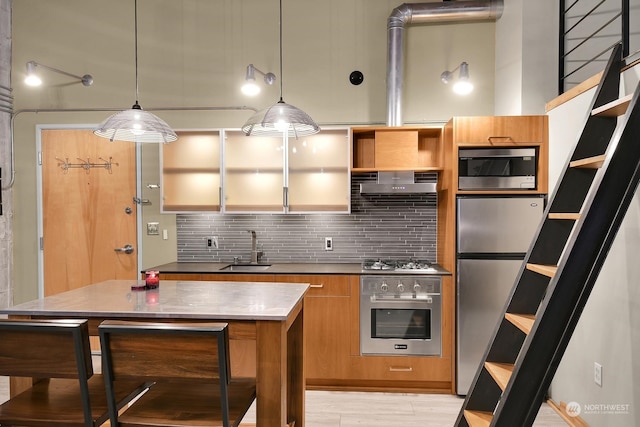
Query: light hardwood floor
{"x": 359, "y": 409}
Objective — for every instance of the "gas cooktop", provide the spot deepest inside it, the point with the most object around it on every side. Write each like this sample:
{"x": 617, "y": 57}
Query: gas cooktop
{"x": 400, "y": 265}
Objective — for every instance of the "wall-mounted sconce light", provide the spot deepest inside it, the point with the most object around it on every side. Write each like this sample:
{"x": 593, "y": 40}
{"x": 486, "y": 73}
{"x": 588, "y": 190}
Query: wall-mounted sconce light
{"x": 251, "y": 88}
{"x": 462, "y": 86}
{"x": 33, "y": 79}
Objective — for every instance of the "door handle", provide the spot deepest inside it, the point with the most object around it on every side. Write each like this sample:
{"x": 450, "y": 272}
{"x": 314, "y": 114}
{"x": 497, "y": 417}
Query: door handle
{"x": 127, "y": 249}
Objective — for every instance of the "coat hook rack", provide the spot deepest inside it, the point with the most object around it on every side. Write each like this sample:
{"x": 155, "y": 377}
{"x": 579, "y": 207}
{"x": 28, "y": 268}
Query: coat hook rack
{"x": 65, "y": 165}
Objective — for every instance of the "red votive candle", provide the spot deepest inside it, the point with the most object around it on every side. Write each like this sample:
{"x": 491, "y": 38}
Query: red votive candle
{"x": 152, "y": 279}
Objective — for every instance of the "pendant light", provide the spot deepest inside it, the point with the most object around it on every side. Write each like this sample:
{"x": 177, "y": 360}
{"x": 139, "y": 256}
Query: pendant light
{"x": 281, "y": 117}
{"x": 135, "y": 124}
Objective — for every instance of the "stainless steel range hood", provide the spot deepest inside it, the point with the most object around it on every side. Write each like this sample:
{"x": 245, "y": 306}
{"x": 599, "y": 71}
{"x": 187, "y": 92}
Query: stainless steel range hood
{"x": 397, "y": 183}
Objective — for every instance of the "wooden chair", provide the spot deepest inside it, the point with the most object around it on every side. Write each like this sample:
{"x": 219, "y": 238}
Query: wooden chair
{"x": 66, "y": 392}
{"x": 189, "y": 365}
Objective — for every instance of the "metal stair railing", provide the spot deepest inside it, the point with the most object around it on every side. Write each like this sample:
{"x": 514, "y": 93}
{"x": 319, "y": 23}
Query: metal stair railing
{"x": 563, "y": 262}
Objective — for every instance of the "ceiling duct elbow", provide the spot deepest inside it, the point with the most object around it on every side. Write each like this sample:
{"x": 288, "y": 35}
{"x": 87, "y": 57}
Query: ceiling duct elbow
{"x": 425, "y": 13}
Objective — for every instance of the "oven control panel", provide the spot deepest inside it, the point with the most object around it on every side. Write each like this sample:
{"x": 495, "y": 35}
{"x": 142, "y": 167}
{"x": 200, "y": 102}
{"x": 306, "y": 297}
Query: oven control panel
{"x": 399, "y": 285}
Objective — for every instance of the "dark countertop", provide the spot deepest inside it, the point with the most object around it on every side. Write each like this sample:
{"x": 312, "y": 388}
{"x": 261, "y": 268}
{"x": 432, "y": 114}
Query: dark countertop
{"x": 286, "y": 268}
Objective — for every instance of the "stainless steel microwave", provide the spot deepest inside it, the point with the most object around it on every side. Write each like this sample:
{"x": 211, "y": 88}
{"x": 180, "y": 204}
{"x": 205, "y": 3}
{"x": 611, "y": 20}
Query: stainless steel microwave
{"x": 497, "y": 168}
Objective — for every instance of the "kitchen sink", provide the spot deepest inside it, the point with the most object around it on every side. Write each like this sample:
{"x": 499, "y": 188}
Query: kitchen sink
{"x": 246, "y": 267}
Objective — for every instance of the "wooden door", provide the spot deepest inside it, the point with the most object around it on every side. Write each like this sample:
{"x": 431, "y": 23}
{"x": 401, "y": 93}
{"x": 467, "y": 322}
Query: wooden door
{"x": 88, "y": 209}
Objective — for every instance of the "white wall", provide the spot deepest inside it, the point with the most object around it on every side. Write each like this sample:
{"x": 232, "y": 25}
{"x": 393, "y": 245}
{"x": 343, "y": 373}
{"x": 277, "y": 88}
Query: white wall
{"x": 194, "y": 53}
{"x": 526, "y": 57}
{"x": 609, "y": 329}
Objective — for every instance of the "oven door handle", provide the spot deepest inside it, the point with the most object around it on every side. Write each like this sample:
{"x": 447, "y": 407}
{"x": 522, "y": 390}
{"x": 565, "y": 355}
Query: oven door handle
{"x": 426, "y": 300}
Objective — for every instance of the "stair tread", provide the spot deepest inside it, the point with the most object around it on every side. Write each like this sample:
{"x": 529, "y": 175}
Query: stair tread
{"x": 614, "y": 108}
{"x": 500, "y": 372}
{"x": 564, "y": 215}
{"x": 524, "y": 322}
{"x": 478, "y": 418}
{"x": 594, "y": 162}
{"x": 547, "y": 270}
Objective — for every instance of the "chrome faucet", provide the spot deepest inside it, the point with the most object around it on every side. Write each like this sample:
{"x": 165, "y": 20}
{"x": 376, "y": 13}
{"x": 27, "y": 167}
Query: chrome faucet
{"x": 255, "y": 254}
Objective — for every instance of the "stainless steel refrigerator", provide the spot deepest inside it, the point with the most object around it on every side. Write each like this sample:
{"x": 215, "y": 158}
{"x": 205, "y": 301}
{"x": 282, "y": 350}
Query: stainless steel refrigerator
{"x": 493, "y": 235}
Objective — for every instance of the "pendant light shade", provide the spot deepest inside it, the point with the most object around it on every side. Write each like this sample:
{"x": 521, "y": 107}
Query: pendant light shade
{"x": 278, "y": 119}
{"x": 135, "y": 124}
{"x": 281, "y": 117}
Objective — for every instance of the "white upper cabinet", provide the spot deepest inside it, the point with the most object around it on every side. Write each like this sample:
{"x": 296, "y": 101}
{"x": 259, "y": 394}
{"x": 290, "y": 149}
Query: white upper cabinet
{"x": 190, "y": 172}
{"x": 253, "y": 173}
{"x": 319, "y": 178}
{"x": 230, "y": 172}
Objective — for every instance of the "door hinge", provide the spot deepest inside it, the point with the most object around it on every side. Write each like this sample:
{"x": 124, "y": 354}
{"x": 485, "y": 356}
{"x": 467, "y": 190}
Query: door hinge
{"x": 42, "y": 243}
{"x": 40, "y": 158}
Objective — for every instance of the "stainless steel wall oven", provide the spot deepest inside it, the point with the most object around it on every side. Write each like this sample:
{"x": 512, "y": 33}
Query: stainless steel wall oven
{"x": 400, "y": 315}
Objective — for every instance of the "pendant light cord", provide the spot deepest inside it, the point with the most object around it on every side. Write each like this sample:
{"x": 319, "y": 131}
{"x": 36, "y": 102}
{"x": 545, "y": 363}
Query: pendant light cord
{"x": 281, "y": 75}
{"x": 135, "y": 17}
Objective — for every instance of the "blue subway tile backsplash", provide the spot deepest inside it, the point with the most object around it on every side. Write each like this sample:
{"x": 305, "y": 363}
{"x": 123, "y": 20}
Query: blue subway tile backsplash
{"x": 379, "y": 226}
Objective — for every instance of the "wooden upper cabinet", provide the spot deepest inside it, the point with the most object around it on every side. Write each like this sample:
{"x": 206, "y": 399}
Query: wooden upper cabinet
{"x": 396, "y": 148}
{"x": 500, "y": 130}
{"x": 496, "y": 131}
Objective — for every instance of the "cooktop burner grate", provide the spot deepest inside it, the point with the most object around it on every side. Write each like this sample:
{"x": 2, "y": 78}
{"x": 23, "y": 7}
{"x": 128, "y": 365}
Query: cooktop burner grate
{"x": 396, "y": 265}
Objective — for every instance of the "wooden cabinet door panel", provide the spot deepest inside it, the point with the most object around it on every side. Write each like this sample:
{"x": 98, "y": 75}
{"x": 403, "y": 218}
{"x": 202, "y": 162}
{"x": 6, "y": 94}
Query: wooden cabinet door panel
{"x": 396, "y": 149}
{"x": 499, "y": 130}
{"x": 327, "y": 323}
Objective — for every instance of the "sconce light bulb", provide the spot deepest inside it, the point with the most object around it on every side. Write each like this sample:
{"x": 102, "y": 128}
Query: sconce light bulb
{"x": 250, "y": 88}
{"x": 33, "y": 80}
{"x": 463, "y": 87}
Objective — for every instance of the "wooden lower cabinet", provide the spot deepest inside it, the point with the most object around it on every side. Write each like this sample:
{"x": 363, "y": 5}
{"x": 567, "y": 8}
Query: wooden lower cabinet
{"x": 327, "y": 321}
{"x": 332, "y": 347}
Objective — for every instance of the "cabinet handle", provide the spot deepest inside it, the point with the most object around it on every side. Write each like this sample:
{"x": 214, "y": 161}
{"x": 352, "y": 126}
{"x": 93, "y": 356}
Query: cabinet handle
{"x": 321, "y": 285}
{"x": 400, "y": 369}
{"x": 491, "y": 138}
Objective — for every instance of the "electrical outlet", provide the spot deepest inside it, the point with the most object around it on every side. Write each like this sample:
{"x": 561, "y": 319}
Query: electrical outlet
{"x": 212, "y": 242}
{"x": 597, "y": 373}
{"x": 328, "y": 243}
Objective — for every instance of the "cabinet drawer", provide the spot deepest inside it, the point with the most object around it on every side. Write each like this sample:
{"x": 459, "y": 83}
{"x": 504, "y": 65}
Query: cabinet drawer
{"x": 240, "y": 277}
{"x": 401, "y": 368}
{"x": 321, "y": 285}
{"x": 500, "y": 131}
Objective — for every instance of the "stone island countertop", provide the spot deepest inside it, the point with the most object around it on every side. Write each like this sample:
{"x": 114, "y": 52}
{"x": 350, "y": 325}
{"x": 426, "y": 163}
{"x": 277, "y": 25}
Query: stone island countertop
{"x": 172, "y": 299}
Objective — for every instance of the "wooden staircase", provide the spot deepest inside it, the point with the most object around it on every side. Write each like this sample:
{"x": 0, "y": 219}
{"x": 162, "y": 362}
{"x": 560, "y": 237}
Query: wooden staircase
{"x": 563, "y": 262}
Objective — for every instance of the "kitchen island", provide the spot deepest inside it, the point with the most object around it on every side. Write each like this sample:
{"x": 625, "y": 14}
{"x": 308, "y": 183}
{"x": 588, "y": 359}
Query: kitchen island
{"x": 268, "y": 314}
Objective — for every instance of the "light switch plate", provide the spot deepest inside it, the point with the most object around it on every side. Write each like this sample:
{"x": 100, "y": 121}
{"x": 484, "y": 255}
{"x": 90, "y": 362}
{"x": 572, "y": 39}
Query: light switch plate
{"x": 153, "y": 228}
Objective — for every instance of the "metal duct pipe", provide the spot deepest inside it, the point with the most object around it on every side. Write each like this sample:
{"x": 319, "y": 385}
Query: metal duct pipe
{"x": 425, "y": 13}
